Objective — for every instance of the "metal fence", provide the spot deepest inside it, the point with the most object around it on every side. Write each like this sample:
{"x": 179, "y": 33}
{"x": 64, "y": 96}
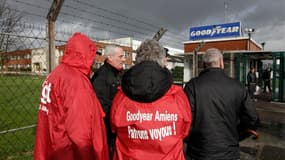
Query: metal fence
{"x": 23, "y": 62}
{"x": 23, "y": 68}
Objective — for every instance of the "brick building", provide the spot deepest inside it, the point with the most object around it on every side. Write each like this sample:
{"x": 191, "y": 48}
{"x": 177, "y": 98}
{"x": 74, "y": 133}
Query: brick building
{"x": 99, "y": 59}
{"x": 225, "y": 44}
{"x": 16, "y": 60}
{"x": 35, "y": 60}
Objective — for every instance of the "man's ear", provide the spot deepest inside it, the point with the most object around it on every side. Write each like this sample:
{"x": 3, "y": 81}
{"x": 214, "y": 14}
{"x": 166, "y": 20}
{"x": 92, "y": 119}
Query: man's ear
{"x": 109, "y": 58}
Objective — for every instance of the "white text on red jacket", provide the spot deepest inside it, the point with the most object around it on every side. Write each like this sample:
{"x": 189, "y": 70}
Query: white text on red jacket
{"x": 160, "y": 133}
{"x": 45, "y": 97}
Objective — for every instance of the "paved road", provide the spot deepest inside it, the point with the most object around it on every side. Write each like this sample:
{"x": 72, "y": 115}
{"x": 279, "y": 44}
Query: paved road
{"x": 271, "y": 112}
{"x": 271, "y": 144}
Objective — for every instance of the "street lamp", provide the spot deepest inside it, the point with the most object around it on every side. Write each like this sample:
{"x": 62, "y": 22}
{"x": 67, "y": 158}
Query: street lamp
{"x": 249, "y": 31}
{"x": 263, "y": 45}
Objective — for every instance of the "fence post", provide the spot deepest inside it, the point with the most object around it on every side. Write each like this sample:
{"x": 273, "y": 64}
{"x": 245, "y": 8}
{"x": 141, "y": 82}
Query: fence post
{"x": 51, "y": 17}
{"x": 51, "y": 46}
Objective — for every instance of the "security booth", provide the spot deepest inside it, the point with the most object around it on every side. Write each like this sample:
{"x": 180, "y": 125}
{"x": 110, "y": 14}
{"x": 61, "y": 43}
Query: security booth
{"x": 243, "y": 60}
{"x": 225, "y": 37}
{"x": 237, "y": 64}
{"x": 263, "y": 60}
{"x": 240, "y": 54}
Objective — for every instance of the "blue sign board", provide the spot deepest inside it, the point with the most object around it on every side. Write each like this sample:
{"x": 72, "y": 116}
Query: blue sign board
{"x": 215, "y": 31}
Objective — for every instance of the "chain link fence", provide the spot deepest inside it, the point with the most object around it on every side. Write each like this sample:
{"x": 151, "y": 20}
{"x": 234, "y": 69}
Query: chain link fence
{"x": 23, "y": 69}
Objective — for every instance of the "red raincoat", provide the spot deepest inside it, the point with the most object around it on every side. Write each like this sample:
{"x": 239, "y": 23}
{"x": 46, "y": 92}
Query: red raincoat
{"x": 70, "y": 119}
{"x": 151, "y": 131}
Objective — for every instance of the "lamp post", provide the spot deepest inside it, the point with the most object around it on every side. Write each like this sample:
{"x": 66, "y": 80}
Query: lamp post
{"x": 249, "y": 31}
{"x": 263, "y": 45}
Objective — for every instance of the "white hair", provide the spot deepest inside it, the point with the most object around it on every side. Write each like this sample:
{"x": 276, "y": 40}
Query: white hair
{"x": 212, "y": 57}
{"x": 110, "y": 50}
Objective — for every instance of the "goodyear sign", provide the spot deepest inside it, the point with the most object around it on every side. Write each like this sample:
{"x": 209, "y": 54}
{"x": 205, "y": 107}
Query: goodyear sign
{"x": 215, "y": 31}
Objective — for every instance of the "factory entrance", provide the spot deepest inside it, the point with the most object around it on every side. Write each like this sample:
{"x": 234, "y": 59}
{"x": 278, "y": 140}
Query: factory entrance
{"x": 265, "y": 63}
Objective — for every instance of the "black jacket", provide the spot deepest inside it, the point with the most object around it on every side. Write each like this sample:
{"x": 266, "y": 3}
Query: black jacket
{"x": 220, "y": 105}
{"x": 105, "y": 82}
{"x": 266, "y": 75}
{"x": 251, "y": 77}
{"x": 146, "y": 82}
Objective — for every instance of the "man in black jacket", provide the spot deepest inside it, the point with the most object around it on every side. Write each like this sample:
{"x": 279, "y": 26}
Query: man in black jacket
{"x": 220, "y": 106}
{"x": 251, "y": 80}
{"x": 266, "y": 78}
{"x": 105, "y": 82}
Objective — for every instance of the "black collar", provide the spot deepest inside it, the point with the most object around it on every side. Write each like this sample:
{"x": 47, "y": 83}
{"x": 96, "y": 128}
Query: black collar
{"x": 108, "y": 65}
{"x": 212, "y": 69}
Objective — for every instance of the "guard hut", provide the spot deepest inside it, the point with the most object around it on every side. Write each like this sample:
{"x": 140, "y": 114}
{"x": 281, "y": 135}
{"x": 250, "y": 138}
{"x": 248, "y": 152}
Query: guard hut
{"x": 262, "y": 60}
{"x": 240, "y": 53}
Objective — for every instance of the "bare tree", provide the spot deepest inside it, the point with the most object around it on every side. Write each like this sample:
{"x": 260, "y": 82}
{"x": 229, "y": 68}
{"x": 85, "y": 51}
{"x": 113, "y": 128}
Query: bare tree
{"x": 8, "y": 21}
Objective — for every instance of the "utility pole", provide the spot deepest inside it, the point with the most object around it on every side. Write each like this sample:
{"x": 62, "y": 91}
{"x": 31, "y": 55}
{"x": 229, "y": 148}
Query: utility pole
{"x": 51, "y": 17}
{"x": 195, "y": 58}
{"x": 231, "y": 54}
{"x": 226, "y": 4}
{"x": 225, "y": 9}
{"x": 249, "y": 32}
{"x": 263, "y": 45}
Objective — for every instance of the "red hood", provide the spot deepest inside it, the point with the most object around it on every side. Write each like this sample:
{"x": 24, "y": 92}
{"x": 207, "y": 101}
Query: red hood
{"x": 80, "y": 52}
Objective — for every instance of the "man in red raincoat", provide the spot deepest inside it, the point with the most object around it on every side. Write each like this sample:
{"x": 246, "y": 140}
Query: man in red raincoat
{"x": 150, "y": 115}
{"x": 70, "y": 119}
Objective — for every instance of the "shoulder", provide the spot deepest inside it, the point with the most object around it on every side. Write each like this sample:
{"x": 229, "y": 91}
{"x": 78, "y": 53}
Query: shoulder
{"x": 192, "y": 81}
{"x": 102, "y": 69}
{"x": 235, "y": 83}
{"x": 119, "y": 96}
{"x": 175, "y": 91}
{"x": 102, "y": 72}
{"x": 67, "y": 80}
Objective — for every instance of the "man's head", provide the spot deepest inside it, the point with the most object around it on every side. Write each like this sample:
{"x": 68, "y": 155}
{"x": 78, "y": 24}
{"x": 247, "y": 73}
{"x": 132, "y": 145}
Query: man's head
{"x": 115, "y": 56}
{"x": 213, "y": 58}
{"x": 151, "y": 50}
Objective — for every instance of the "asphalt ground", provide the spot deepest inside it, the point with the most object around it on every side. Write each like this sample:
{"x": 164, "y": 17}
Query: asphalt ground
{"x": 271, "y": 142}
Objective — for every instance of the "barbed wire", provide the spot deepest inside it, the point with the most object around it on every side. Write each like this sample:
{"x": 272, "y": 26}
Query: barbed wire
{"x": 109, "y": 18}
{"x": 122, "y": 29}
{"x": 124, "y": 16}
{"x": 167, "y": 39}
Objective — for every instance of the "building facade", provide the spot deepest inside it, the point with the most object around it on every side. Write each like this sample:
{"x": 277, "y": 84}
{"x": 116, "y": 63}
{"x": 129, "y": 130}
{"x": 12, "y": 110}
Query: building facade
{"x": 36, "y": 61}
{"x": 17, "y": 60}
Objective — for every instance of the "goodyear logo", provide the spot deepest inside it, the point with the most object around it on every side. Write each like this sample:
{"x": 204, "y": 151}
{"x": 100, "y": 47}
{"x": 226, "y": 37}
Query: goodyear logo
{"x": 215, "y": 31}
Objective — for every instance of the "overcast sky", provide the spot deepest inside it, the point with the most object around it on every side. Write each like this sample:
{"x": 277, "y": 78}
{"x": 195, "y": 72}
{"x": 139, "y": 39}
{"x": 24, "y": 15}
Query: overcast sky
{"x": 142, "y": 18}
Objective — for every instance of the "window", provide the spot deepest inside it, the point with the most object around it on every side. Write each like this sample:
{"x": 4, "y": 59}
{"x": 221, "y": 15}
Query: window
{"x": 98, "y": 65}
{"x": 27, "y": 56}
{"x": 126, "y": 54}
{"x": 101, "y": 50}
{"x": 13, "y": 58}
{"x": 126, "y": 66}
